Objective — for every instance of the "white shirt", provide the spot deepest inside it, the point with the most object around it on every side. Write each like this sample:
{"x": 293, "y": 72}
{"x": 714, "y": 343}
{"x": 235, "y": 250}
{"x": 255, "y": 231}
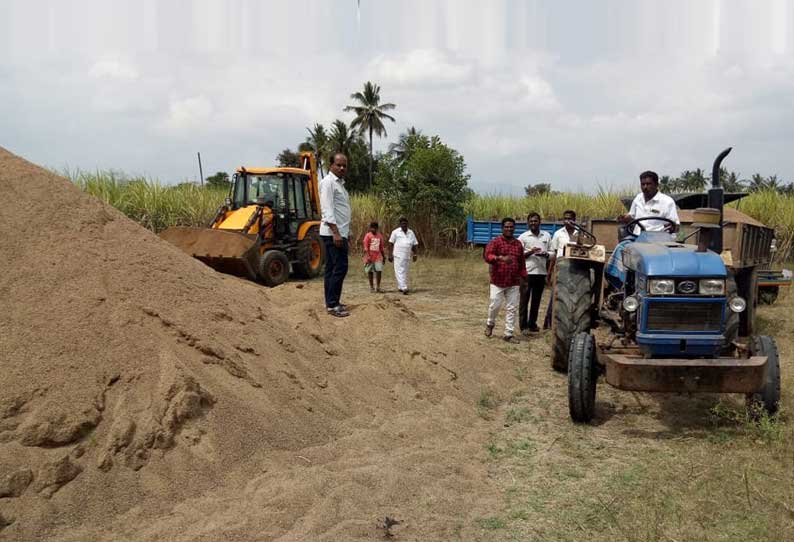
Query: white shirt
{"x": 403, "y": 242}
{"x": 660, "y": 205}
{"x": 558, "y": 241}
{"x": 334, "y": 205}
{"x": 536, "y": 265}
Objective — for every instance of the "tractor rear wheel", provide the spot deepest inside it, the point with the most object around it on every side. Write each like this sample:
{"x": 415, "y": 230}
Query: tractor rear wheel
{"x": 273, "y": 268}
{"x": 310, "y": 255}
{"x": 582, "y": 378}
{"x": 768, "y": 397}
{"x": 573, "y": 300}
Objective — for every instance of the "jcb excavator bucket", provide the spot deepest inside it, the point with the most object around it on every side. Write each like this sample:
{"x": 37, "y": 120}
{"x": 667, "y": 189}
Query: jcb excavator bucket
{"x": 225, "y": 251}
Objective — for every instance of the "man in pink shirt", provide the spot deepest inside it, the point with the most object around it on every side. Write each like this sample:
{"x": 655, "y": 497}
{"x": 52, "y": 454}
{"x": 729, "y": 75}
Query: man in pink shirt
{"x": 374, "y": 255}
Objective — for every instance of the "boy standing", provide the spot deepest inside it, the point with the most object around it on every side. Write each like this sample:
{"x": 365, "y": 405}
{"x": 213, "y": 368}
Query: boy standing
{"x": 374, "y": 255}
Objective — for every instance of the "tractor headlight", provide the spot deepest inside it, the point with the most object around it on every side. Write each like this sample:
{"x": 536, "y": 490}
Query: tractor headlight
{"x": 737, "y": 304}
{"x": 661, "y": 287}
{"x": 631, "y": 303}
{"x": 712, "y": 287}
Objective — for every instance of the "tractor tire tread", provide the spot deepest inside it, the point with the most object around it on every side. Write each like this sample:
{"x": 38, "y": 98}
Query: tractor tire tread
{"x": 573, "y": 300}
{"x": 582, "y": 378}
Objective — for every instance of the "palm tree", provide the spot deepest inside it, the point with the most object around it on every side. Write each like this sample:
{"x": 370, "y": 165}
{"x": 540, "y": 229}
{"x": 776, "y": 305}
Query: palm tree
{"x": 317, "y": 142}
{"x": 341, "y": 139}
{"x": 731, "y": 182}
{"x": 693, "y": 181}
{"x": 757, "y": 182}
{"x": 408, "y": 141}
{"x": 369, "y": 115}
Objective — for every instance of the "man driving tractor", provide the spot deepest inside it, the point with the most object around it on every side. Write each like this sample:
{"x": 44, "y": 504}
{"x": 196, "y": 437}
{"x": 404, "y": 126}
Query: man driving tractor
{"x": 649, "y": 204}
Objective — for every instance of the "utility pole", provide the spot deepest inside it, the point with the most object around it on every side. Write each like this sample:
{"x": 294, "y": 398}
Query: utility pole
{"x": 201, "y": 173}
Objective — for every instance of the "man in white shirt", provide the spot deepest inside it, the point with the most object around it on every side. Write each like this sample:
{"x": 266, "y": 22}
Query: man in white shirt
{"x": 536, "y": 253}
{"x": 402, "y": 245}
{"x": 651, "y": 202}
{"x": 560, "y": 238}
{"x": 334, "y": 232}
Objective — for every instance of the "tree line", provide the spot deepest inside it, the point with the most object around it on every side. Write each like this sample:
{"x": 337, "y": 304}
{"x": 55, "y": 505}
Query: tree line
{"x": 697, "y": 181}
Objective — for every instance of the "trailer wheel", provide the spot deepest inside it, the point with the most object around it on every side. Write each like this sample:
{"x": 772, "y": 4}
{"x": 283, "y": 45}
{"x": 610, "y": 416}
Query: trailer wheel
{"x": 573, "y": 300}
{"x": 768, "y": 397}
{"x": 273, "y": 268}
{"x": 310, "y": 254}
{"x": 582, "y": 378}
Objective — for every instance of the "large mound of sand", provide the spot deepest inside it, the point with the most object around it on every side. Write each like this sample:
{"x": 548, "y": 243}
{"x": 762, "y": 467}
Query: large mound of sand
{"x": 144, "y": 396}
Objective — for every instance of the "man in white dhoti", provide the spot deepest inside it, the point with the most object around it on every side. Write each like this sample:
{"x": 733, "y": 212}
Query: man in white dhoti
{"x": 402, "y": 244}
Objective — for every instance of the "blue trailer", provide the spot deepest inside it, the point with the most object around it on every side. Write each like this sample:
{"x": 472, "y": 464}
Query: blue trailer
{"x": 480, "y": 232}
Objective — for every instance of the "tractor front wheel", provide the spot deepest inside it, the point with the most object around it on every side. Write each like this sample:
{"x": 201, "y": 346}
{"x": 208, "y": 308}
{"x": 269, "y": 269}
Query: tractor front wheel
{"x": 768, "y": 397}
{"x": 573, "y": 305}
{"x": 273, "y": 268}
{"x": 582, "y": 378}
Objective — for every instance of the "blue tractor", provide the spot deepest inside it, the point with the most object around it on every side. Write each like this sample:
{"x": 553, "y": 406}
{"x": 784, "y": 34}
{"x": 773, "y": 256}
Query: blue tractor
{"x": 671, "y": 324}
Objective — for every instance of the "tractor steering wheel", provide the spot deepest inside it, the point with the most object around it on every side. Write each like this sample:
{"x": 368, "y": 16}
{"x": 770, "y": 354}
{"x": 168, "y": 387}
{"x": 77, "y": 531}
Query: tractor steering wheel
{"x": 590, "y": 236}
{"x": 639, "y": 223}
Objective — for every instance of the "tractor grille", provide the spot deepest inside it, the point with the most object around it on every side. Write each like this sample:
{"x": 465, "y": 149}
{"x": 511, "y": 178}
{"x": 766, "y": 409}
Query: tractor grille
{"x": 684, "y": 316}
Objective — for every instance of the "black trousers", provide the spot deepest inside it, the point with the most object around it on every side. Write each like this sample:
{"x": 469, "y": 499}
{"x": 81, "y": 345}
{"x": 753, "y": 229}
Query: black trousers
{"x": 531, "y": 293}
{"x": 335, "y": 269}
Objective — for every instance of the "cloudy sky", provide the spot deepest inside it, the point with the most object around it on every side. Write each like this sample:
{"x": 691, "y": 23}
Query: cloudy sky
{"x": 579, "y": 94}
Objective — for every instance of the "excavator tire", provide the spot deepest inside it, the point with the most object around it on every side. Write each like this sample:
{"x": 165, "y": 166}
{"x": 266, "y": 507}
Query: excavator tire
{"x": 573, "y": 300}
{"x": 310, "y": 255}
{"x": 273, "y": 268}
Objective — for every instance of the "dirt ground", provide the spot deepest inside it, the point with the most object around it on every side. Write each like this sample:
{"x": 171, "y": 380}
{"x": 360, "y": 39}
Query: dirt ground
{"x": 145, "y": 397}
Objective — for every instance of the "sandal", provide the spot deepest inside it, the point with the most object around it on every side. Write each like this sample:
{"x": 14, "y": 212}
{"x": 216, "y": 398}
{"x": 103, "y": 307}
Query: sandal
{"x": 489, "y": 329}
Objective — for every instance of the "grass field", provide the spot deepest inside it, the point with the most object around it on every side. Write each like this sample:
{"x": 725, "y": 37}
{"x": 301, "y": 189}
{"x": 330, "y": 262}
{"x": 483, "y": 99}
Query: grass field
{"x": 652, "y": 467}
{"x": 157, "y": 206}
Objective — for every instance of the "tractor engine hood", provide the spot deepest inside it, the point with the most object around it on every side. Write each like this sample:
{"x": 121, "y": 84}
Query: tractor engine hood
{"x": 670, "y": 259}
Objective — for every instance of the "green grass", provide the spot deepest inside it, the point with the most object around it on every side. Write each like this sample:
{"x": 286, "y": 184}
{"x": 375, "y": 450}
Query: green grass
{"x": 157, "y": 206}
{"x": 487, "y": 402}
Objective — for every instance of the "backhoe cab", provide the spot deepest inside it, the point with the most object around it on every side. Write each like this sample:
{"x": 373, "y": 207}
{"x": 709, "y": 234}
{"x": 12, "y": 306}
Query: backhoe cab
{"x": 671, "y": 324}
{"x": 269, "y": 224}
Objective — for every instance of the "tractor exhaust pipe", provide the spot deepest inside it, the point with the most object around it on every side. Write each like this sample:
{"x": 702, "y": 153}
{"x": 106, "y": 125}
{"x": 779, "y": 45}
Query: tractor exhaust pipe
{"x": 717, "y": 199}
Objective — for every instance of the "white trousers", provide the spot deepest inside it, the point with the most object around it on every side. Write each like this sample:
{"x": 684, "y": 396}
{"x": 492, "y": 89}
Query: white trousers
{"x": 508, "y": 296}
{"x": 401, "y": 264}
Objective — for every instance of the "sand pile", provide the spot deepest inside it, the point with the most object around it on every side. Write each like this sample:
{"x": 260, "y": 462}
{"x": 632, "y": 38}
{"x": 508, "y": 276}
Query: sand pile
{"x": 144, "y": 396}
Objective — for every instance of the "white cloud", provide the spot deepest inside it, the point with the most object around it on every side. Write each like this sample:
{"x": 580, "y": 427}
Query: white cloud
{"x": 190, "y": 113}
{"x": 425, "y": 67}
{"x": 113, "y": 68}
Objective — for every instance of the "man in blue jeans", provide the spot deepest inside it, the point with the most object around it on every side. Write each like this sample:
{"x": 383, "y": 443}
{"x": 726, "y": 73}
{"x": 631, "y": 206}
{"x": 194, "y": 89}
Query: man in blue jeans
{"x": 334, "y": 232}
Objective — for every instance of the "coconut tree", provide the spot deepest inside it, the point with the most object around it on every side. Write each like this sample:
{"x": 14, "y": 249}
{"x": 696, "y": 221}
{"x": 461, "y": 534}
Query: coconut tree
{"x": 317, "y": 142}
{"x": 407, "y": 142}
{"x": 757, "y": 182}
{"x": 369, "y": 115}
{"x": 341, "y": 138}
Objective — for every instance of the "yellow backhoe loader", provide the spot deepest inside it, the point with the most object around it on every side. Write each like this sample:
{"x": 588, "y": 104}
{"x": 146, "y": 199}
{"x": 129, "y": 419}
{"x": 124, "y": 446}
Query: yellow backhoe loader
{"x": 269, "y": 223}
